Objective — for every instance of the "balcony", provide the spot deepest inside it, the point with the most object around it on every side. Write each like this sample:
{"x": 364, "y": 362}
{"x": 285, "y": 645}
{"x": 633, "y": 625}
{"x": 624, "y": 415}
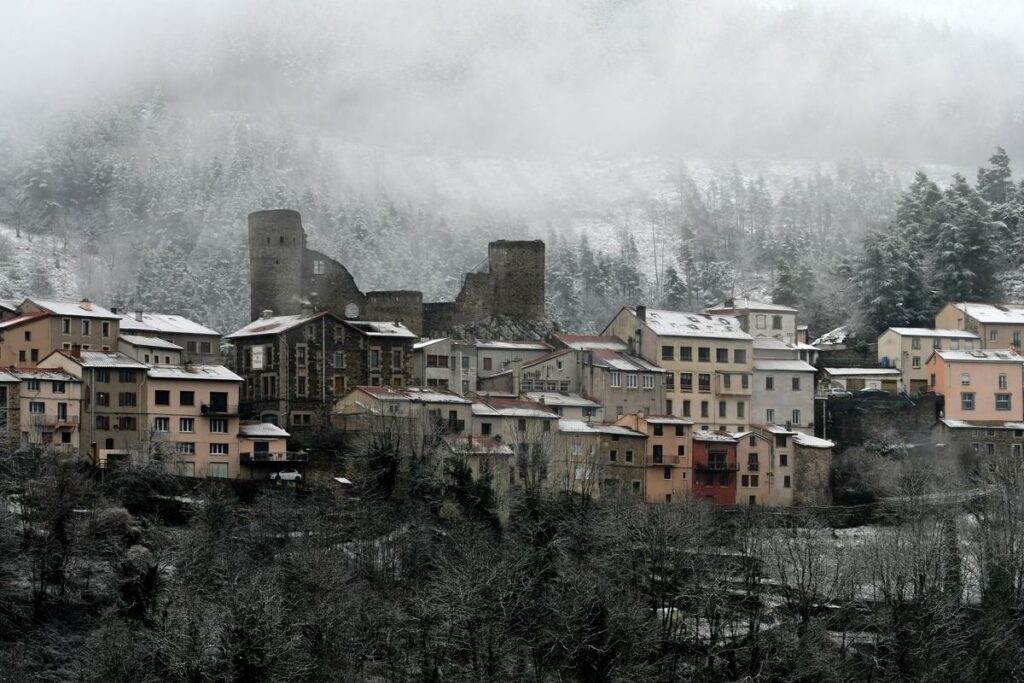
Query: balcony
{"x": 753, "y": 467}
{"x": 273, "y": 458}
{"x": 218, "y": 410}
{"x": 43, "y": 420}
{"x": 717, "y": 466}
{"x": 449, "y": 426}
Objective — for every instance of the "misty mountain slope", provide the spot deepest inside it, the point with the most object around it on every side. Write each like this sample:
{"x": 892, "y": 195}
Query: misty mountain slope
{"x": 39, "y": 265}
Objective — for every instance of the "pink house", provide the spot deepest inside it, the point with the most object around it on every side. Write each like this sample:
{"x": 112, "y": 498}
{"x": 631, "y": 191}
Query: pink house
{"x": 980, "y": 385}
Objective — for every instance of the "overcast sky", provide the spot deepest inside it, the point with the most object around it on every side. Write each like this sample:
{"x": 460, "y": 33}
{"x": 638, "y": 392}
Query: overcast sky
{"x": 729, "y": 78}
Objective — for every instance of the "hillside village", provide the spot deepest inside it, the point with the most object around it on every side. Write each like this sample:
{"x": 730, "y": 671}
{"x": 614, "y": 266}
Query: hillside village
{"x": 732, "y": 404}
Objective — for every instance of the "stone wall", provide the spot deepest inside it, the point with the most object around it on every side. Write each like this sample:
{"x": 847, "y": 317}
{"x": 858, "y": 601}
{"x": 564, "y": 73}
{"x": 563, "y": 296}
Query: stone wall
{"x": 276, "y": 246}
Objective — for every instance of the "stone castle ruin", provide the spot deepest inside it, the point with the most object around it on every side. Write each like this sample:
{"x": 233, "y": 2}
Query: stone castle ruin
{"x": 285, "y": 276}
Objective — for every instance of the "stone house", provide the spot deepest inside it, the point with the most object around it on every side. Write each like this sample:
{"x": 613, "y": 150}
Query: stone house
{"x": 907, "y": 349}
{"x": 590, "y": 459}
{"x": 296, "y": 366}
{"x": 623, "y": 383}
{"x": 710, "y": 359}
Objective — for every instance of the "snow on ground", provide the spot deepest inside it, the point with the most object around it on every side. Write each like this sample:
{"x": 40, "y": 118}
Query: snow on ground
{"x": 40, "y": 266}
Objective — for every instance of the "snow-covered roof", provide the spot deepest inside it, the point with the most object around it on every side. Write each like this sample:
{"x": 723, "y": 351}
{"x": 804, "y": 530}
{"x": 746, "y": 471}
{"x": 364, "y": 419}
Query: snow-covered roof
{"x": 7, "y": 378}
{"x": 982, "y": 424}
{"x": 809, "y": 441}
{"x": 862, "y": 372}
{"x": 375, "y": 328}
{"x": 413, "y": 394}
{"x": 928, "y": 332}
{"x": 103, "y": 359}
{"x": 744, "y": 304}
{"x": 980, "y": 356}
{"x": 424, "y": 343}
{"x": 776, "y": 429}
{"x": 581, "y": 427}
{"x": 617, "y": 360}
{"x": 770, "y": 343}
{"x": 557, "y": 398}
{"x": 166, "y": 323}
{"x": 277, "y": 324}
{"x": 582, "y": 342}
{"x": 477, "y": 445}
{"x": 72, "y": 308}
{"x": 10, "y": 304}
{"x": 148, "y": 342}
{"x": 193, "y": 372}
{"x": 782, "y": 365}
{"x": 667, "y": 420}
{"x": 836, "y": 336}
{"x": 21, "y": 319}
{"x": 708, "y": 435}
{"x": 992, "y": 313}
{"x": 505, "y": 407}
{"x": 261, "y": 430}
{"x": 514, "y": 345}
{"x": 677, "y": 324}
{"x": 49, "y": 374}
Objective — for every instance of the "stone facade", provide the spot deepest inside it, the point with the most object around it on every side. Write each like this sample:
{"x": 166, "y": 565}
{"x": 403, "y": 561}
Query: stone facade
{"x": 284, "y": 274}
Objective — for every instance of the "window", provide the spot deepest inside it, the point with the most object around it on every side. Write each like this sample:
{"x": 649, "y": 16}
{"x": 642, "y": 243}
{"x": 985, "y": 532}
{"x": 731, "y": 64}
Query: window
{"x": 680, "y": 430}
{"x": 36, "y": 407}
{"x": 967, "y": 400}
{"x": 126, "y": 376}
{"x": 34, "y": 355}
{"x": 161, "y": 424}
{"x": 745, "y": 383}
{"x": 796, "y": 383}
{"x": 686, "y": 353}
{"x": 705, "y": 409}
{"x": 636, "y": 486}
{"x": 965, "y": 379}
{"x": 630, "y": 380}
{"x": 739, "y": 356}
{"x": 1002, "y": 381}
{"x": 300, "y": 385}
{"x": 776, "y": 322}
{"x": 658, "y": 454}
{"x": 666, "y": 473}
{"x": 915, "y": 342}
{"x": 915, "y": 362}
{"x": 783, "y": 459}
{"x": 21, "y": 356}
{"x": 740, "y": 410}
{"x": 933, "y": 379}
{"x": 1015, "y": 449}
{"x": 102, "y": 422}
{"x": 102, "y": 398}
{"x": 488, "y": 365}
{"x": 205, "y": 347}
{"x": 769, "y": 416}
{"x": 954, "y": 344}
{"x": 217, "y": 469}
{"x": 648, "y": 381}
{"x": 993, "y": 335}
{"x": 28, "y": 335}
{"x": 485, "y": 429}
{"x": 186, "y": 398}
{"x": 668, "y": 353}
{"x": 33, "y": 385}
{"x": 686, "y": 409}
{"x": 629, "y": 456}
{"x": 65, "y": 326}
{"x": 990, "y": 448}
{"x": 670, "y": 381}
{"x": 704, "y": 382}
{"x": 375, "y": 359}
{"x": 300, "y": 355}
{"x": 760, "y": 321}
{"x": 721, "y": 355}
{"x": 613, "y": 455}
{"x": 796, "y": 417}
{"x": 126, "y": 399}
{"x": 769, "y": 383}
{"x": 726, "y": 381}
{"x": 686, "y": 381}
{"x": 219, "y": 426}
{"x": 396, "y": 359}
{"x": 190, "y": 346}
{"x": 721, "y": 409}
{"x": 186, "y": 425}
{"x": 185, "y": 448}
{"x": 1002, "y": 401}
{"x": 703, "y": 354}
{"x": 659, "y": 430}
{"x": 218, "y": 449}
{"x": 787, "y": 482}
{"x": 86, "y": 328}
{"x": 105, "y": 328}
{"x": 681, "y": 451}
{"x": 1016, "y": 338}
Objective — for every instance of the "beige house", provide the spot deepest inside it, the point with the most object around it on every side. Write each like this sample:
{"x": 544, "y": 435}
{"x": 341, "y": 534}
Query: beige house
{"x": 907, "y": 349}
{"x": 591, "y": 459}
{"x": 784, "y": 393}
{"x": 999, "y": 326}
{"x": 667, "y": 458}
{"x": 149, "y": 349}
{"x": 760, "y": 319}
{"x": 430, "y": 410}
{"x": 624, "y": 383}
{"x": 568, "y": 406}
{"x": 10, "y": 410}
{"x": 263, "y": 450}
{"x": 192, "y": 419}
{"x": 45, "y": 326}
{"x": 113, "y": 406}
{"x": 795, "y": 467}
{"x": 445, "y": 363}
{"x": 199, "y": 343}
{"x": 710, "y": 359}
{"x": 49, "y": 407}
{"x": 494, "y": 357}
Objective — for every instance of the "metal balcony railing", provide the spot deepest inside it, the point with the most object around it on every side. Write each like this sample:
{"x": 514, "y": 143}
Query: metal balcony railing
{"x": 450, "y": 426}
{"x": 218, "y": 410}
{"x": 717, "y": 466}
{"x": 266, "y": 457}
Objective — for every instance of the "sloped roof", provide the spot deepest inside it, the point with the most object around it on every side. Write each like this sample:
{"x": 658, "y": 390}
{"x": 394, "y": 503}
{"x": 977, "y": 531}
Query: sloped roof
{"x": 72, "y": 309}
{"x": 102, "y": 359}
{"x": 557, "y": 398}
{"x": 978, "y": 424}
{"x": 980, "y": 356}
{"x": 193, "y": 372}
{"x": 708, "y": 435}
{"x": 167, "y": 323}
{"x": 581, "y": 427}
{"x": 49, "y": 374}
{"x": 373, "y": 328}
{"x": 583, "y": 342}
{"x": 278, "y": 324}
{"x": 261, "y": 430}
{"x": 616, "y": 360}
{"x": 667, "y": 420}
{"x": 862, "y": 372}
{"x": 149, "y": 342}
{"x": 783, "y": 365}
{"x": 836, "y": 336}
{"x": 508, "y": 407}
{"x": 413, "y": 394}
{"x": 745, "y": 304}
{"x": 514, "y": 345}
{"x": 22, "y": 319}
{"x": 809, "y": 441}
{"x": 679, "y": 324}
{"x": 992, "y": 313}
{"x": 423, "y": 343}
{"x": 7, "y": 378}
{"x": 928, "y": 332}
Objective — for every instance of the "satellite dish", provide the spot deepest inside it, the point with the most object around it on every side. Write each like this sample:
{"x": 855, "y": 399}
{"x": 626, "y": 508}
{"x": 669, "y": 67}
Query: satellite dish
{"x": 351, "y": 311}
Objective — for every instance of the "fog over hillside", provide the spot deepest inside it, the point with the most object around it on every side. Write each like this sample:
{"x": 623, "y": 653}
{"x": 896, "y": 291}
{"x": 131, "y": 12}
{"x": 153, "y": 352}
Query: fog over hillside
{"x": 149, "y": 131}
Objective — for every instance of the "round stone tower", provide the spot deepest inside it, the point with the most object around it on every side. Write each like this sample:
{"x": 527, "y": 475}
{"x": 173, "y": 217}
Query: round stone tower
{"x": 276, "y": 245}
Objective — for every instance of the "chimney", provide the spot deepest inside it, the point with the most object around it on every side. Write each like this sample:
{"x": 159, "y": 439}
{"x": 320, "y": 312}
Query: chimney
{"x": 641, "y": 313}
{"x": 138, "y": 315}
{"x": 85, "y": 305}
{"x": 76, "y": 350}
{"x": 113, "y": 309}
{"x": 267, "y": 313}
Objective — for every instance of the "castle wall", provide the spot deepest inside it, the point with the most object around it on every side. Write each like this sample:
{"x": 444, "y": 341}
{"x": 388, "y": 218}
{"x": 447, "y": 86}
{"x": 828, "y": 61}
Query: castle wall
{"x": 517, "y": 275}
{"x": 405, "y": 307}
{"x": 328, "y": 285}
